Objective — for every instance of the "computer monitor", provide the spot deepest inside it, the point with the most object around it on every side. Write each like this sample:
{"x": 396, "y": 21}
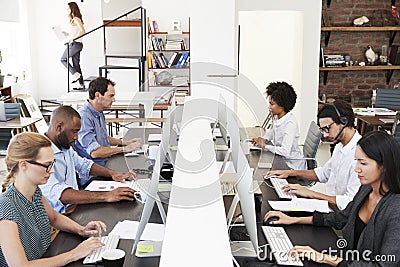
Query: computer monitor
{"x": 152, "y": 197}
{"x": 244, "y": 185}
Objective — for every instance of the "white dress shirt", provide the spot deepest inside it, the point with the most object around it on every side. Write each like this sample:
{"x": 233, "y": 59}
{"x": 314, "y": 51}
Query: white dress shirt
{"x": 284, "y": 137}
{"x": 339, "y": 174}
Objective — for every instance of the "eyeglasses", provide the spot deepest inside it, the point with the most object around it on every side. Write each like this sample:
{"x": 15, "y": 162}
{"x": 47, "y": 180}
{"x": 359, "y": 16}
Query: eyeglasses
{"x": 47, "y": 167}
{"x": 326, "y": 128}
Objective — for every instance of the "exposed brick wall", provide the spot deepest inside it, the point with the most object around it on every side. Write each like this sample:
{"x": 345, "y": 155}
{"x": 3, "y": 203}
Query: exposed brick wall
{"x": 342, "y": 13}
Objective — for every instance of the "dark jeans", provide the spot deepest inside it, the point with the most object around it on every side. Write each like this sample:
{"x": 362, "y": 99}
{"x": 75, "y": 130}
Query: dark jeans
{"x": 75, "y": 49}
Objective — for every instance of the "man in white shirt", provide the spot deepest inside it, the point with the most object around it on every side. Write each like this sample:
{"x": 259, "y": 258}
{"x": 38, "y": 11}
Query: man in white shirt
{"x": 337, "y": 124}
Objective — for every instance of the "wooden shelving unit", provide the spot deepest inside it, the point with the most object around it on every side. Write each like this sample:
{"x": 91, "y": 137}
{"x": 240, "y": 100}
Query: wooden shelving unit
{"x": 389, "y": 70}
{"x": 182, "y": 70}
{"x": 328, "y": 30}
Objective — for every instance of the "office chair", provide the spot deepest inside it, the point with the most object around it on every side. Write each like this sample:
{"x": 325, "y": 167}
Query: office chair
{"x": 310, "y": 148}
{"x": 396, "y": 128}
{"x": 12, "y": 110}
{"x": 268, "y": 122}
{"x": 311, "y": 144}
{"x": 387, "y": 98}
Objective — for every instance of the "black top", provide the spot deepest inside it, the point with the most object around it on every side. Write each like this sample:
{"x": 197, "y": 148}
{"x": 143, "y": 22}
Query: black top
{"x": 358, "y": 229}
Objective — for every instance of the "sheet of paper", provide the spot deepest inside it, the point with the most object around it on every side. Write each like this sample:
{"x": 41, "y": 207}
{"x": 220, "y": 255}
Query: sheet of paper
{"x": 301, "y": 204}
{"x": 387, "y": 120}
{"x": 127, "y": 230}
{"x": 59, "y": 33}
{"x": 154, "y": 137}
{"x": 105, "y": 186}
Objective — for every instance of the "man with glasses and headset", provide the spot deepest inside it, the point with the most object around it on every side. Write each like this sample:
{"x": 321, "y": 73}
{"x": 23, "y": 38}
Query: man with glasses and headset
{"x": 62, "y": 190}
{"x": 336, "y": 122}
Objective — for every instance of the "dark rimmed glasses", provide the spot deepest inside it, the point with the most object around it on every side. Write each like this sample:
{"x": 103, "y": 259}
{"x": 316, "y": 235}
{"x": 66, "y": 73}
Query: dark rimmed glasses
{"x": 326, "y": 128}
{"x": 47, "y": 167}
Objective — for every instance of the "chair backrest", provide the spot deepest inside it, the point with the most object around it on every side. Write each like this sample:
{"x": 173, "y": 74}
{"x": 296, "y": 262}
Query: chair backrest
{"x": 396, "y": 128}
{"x": 12, "y": 110}
{"x": 387, "y": 98}
{"x": 311, "y": 144}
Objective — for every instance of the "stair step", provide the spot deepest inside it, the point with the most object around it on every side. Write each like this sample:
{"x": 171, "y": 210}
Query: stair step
{"x": 90, "y": 78}
{"x": 119, "y": 67}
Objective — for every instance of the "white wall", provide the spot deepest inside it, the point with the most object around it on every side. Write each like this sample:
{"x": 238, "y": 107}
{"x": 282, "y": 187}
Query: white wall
{"x": 308, "y": 89}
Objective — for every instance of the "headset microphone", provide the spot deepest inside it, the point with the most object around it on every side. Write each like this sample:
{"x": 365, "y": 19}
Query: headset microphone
{"x": 342, "y": 119}
{"x": 337, "y": 136}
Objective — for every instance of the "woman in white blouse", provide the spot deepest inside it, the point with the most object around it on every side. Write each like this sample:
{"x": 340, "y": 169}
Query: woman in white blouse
{"x": 283, "y": 138}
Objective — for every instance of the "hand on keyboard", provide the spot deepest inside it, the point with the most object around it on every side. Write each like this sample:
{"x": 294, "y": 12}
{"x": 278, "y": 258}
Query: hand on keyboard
{"x": 107, "y": 242}
{"x": 280, "y": 173}
{"x": 119, "y": 194}
{"x": 298, "y": 190}
{"x": 87, "y": 247}
{"x": 282, "y": 218}
{"x": 94, "y": 228}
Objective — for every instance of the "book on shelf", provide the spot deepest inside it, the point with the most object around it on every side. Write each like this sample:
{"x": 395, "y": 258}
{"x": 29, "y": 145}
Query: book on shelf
{"x": 164, "y": 59}
{"x": 171, "y": 60}
{"x": 155, "y": 26}
{"x": 152, "y": 78}
{"x": 149, "y": 61}
{"x": 151, "y": 27}
{"x": 182, "y": 60}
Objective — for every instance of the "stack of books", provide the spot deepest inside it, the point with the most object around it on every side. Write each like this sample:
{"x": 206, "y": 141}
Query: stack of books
{"x": 334, "y": 61}
{"x": 180, "y": 81}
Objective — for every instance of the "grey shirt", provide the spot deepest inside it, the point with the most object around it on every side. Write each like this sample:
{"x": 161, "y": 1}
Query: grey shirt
{"x": 31, "y": 218}
{"x": 380, "y": 238}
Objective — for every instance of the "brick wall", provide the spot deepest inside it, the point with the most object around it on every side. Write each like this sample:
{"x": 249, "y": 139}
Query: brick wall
{"x": 342, "y": 13}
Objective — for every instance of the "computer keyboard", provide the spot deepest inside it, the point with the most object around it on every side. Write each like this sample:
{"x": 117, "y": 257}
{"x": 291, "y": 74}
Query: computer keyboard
{"x": 278, "y": 184}
{"x": 140, "y": 184}
{"x": 280, "y": 245}
{"x": 110, "y": 242}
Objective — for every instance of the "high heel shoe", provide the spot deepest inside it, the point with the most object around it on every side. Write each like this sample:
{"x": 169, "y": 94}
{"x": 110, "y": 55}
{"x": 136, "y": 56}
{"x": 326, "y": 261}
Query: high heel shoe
{"x": 77, "y": 79}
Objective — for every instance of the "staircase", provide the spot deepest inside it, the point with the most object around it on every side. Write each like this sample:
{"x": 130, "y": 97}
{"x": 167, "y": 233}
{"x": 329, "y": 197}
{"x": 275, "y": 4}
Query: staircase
{"x": 138, "y": 61}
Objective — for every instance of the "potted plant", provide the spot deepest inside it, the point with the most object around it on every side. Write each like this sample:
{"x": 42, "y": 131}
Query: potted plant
{"x": 1, "y": 76}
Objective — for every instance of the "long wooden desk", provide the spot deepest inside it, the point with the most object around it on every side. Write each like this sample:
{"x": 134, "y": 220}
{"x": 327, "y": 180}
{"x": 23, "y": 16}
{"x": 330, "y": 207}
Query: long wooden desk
{"x": 18, "y": 123}
{"x": 374, "y": 121}
{"x": 317, "y": 237}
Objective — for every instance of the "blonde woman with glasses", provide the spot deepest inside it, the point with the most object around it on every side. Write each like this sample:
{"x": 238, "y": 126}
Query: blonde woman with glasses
{"x": 26, "y": 216}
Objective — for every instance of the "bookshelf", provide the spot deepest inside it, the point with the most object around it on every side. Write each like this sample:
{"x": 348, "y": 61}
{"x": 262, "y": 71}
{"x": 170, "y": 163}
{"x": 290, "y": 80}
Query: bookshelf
{"x": 168, "y": 58}
{"x": 5, "y": 94}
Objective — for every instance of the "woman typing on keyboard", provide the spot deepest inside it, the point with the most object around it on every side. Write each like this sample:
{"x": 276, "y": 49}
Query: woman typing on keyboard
{"x": 26, "y": 216}
{"x": 370, "y": 223}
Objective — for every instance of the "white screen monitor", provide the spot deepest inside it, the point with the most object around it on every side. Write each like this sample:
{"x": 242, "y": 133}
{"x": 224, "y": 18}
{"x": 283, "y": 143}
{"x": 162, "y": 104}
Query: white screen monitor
{"x": 152, "y": 194}
{"x": 245, "y": 182}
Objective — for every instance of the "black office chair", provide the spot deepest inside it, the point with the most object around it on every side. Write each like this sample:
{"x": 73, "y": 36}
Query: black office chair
{"x": 387, "y": 98}
{"x": 311, "y": 144}
{"x": 396, "y": 128}
{"x": 310, "y": 148}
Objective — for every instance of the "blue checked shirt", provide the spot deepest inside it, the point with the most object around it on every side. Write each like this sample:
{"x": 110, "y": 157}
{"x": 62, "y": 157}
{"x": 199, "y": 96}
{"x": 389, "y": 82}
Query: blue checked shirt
{"x": 93, "y": 133}
{"x": 68, "y": 162}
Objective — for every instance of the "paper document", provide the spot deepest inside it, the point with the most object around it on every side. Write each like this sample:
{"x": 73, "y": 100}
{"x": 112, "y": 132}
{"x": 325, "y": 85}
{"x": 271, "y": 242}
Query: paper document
{"x": 301, "y": 204}
{"x": 59, "y": 34}
{"x": 105, "y": 186}
{"x": 154, "y": 137}
{"x": 387, "y": 120}
{"x": 374, "y": 111}
{"x": 127, "y": 230}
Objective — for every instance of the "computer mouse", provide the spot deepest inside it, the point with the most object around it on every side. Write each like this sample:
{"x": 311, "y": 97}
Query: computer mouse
{"x": 271, "y": 219}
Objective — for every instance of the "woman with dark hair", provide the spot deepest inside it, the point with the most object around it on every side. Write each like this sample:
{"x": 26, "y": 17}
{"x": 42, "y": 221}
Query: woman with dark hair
{"x": 370, "y": 223}
{"x": 75, "y": 47}
{"x": 283, "y": 138}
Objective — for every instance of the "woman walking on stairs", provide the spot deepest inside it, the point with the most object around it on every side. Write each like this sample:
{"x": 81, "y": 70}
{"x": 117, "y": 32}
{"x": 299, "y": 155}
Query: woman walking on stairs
{"x": 75, "y": 30}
